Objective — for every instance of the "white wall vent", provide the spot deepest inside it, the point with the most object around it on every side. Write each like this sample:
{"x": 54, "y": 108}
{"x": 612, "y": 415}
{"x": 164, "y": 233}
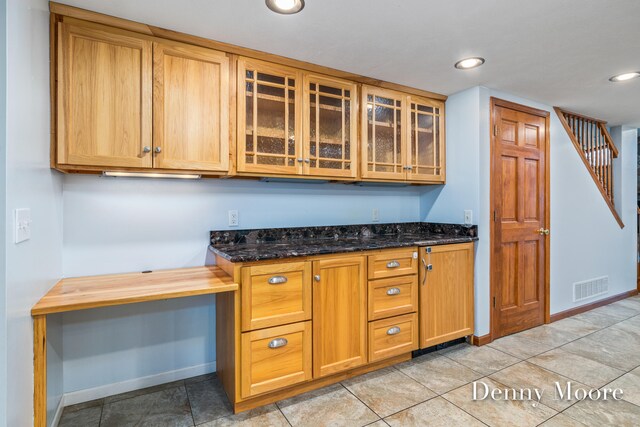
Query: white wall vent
{"x": 590, "y": 288}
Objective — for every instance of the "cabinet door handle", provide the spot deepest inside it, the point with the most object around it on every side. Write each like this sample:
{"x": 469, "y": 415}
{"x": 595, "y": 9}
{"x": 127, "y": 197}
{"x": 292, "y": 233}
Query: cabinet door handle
{"x": 393, "y": 331}
{"x": 277, "y": 280}
{"x": 158, "y": 150}
{"x": 316, "y": 277}
{"x": 393, "y": 264}
{"x": 393, "y": 291}
{"x": 146, "y": 149}
{"x": 278, "y": 342}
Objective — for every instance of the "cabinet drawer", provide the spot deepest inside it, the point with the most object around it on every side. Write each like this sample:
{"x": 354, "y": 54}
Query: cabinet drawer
{"x": 274, "y": 358}
{"x": 275, "y": 294}
{"x": 394, "y": 296}
{"x": 393, "y": 263}
{"x": 393, "y": 336}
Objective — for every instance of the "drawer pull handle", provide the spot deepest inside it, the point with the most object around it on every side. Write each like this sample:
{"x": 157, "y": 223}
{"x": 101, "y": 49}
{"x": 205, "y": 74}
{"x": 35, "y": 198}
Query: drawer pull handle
{"x": 393, "y": 291}
{"x": 393, "y": 331}
{"x": 278, "y": 342}
{"x": 393, "y": 264}
{"x": 277, "y": 280}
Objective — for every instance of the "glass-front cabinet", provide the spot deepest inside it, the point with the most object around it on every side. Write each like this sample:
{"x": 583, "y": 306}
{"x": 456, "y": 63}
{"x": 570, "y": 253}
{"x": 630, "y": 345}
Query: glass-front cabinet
{"x": 402, "y": 137}
{"x": 383, "y": 141}
{"x": 330, "y": 127}
{"x": 269, "y": 126}
{"x": 426, "y": 140}
{"x": 295, "y": 123}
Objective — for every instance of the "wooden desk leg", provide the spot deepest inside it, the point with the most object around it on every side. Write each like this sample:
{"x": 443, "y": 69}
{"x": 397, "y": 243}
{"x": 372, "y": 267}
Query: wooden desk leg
{"x": 40, "y": 371}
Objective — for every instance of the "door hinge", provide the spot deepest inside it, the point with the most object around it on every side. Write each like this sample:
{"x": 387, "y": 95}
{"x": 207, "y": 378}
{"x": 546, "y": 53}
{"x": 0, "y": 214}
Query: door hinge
{"x": 494, "y": 216}
{"x": 495, "y": 130}
{"x": 494, "y": 302}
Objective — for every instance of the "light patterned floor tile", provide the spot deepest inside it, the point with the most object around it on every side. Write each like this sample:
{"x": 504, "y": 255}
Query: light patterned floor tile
{"x": 268, "y": 415}
{"x": 388, "y": 391}
{"x": 562, "y": 420}
{"x": 576, "y": 367}
{"x": 529, "y": 376}
{"x": 520, "y": 347}
{"x": 623, "y": 358}
{"x": 438, "y": 373}
{"x": 630, "y": 385}
{"x": 436, "y": 412}
{"x": 331, "y": 406}
{"x": 499, "y": 413}
{"x": 484, "y": 360}
{"x": 574, "y": 326}
{"x": 598, "y": 413}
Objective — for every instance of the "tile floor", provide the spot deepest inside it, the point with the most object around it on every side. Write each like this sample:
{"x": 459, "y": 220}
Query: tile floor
{"x": 597, "y": 349}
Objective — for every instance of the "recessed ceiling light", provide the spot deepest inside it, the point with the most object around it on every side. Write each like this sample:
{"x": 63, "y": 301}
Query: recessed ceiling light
{"x": 625, "y": 76}
{"x": 465, "y": 64}
{"x": 285, "y": 7}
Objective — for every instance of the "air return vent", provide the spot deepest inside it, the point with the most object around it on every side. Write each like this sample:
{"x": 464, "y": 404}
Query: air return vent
{"x": 590, "y": 288}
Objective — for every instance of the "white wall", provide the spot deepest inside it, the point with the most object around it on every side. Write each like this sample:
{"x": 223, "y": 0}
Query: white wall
{"x": 35, "y": 265}
{"x": 586, "y": 241}
{"x": 118, "y": 225}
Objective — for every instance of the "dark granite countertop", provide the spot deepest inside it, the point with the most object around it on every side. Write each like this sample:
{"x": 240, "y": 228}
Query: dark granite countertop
{"x": 267, "y": 244}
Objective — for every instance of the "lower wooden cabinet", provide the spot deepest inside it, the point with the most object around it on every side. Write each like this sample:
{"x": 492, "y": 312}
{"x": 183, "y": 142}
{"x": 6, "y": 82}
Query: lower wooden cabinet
{"x": 276, "y": 357}
{"x": 303, "y": 323}
{"x": 393, "y": 296}
{"x": 393, "y": 336}
{"x": 275, "y": 294}
{"x": 446, "y": 293}
{"x": 339, "y": 314}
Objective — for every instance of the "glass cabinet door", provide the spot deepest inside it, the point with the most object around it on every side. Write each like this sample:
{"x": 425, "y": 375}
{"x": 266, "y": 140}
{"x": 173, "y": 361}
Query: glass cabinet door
{"x": 383, "y": 139}
{"x": 269, "y": 127}
{"x": 426, "y": 136}
{"x": 330, "y": 127}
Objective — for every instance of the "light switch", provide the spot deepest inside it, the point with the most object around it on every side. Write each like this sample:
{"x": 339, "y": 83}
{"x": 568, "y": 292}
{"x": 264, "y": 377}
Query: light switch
{"x": 468, "y": 217}
{"x": 375, "y": 215}
{"x": 22, "y": 223}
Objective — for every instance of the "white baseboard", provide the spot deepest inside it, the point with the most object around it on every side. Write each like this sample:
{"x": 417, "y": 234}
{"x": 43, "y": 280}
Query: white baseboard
{"x": 58, "y": 414}
{"x": 89, "y": 394}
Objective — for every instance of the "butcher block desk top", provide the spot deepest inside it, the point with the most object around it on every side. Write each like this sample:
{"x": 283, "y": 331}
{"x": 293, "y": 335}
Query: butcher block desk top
{"x": 80, "y": 293}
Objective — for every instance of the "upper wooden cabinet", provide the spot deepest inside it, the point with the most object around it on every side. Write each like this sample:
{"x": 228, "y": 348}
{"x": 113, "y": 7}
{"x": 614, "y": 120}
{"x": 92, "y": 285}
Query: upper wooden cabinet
{"x": 112, "y": 82}
{"x": 295, "y": 123}
{"x": 104, "y": 98}
{"x": 269, "y": 126}
{"x": 402, "y": 137}
{"x": 330, "y": 127}
{"x": 190, "y": 108}
{"x": 127, "y": 100}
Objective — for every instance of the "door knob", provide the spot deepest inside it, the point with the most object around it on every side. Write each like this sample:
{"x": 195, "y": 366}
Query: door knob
{"x": 543, "y": 231}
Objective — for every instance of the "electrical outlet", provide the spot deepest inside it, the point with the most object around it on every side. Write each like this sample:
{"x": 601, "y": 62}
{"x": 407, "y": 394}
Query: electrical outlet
{"x": 375, "y": 215}
{"x": 468, "y": 217}
{"x": 22, "y": 223}
{"x": 233, "y": 218}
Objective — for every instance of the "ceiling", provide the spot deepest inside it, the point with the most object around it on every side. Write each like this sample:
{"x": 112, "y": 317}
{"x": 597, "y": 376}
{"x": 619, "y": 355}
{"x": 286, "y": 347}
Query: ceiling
{"x": 560, "y": 53}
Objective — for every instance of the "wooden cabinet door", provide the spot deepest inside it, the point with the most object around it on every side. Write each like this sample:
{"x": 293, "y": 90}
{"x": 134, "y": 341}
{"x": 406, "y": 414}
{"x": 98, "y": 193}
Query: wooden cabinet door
{"x": 330, "y": 127}
{"x": 104, "y": 98}
{"x": 269, "y": 118}
{"x": 383, "y": 139}
{"x": 190, "y": 108}
{"x": 339, "y": 314}
{"x": 446, "y": 293}
{"x": 426, "y": 150}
